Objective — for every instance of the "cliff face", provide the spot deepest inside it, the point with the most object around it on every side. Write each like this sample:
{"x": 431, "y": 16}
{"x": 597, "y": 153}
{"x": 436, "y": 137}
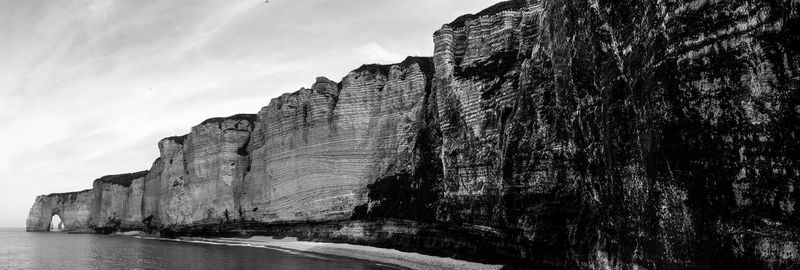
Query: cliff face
{"x": 315, "y": 151}
{"x": 118, "y": 201}
{"x": 73, "y": 208}
{"x": 193, "y": 180}
{"x": 632, "y": 133}
{"x": 570, "y": 134}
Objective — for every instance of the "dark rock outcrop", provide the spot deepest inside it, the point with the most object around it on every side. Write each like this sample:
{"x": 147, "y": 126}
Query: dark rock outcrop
{"x": 565, "y": 134}
{"x": 624, "y": 134}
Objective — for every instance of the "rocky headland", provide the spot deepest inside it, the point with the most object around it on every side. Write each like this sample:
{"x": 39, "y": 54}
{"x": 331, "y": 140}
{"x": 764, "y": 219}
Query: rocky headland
{"x": 564, "y": 134}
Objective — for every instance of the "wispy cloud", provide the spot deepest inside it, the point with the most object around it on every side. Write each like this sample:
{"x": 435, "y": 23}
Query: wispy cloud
{"x": 376, "y": 53}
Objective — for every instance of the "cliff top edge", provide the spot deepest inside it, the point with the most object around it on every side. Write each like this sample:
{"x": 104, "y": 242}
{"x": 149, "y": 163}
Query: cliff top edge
{"x": 425, "y": 63}
{"x": 66, "y": 194}
{"x": 242, "y": 116}
{"x": 494, "y": 9}
{"x": 124, "y": 180}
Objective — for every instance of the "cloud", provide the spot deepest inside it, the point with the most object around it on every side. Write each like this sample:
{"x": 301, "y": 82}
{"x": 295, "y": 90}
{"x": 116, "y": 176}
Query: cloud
{"x": 378, "y": 54}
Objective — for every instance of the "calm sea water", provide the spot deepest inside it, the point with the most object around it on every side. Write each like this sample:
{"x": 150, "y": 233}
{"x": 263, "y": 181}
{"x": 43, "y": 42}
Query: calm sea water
{"x": 21, "y": 250}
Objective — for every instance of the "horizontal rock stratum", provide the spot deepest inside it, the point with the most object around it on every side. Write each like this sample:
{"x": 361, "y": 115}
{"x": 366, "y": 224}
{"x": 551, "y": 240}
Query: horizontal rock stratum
{"x": 565, "y": 134}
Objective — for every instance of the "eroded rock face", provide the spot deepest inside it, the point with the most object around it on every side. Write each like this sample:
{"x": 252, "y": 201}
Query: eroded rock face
{"x": 118, "y": 201}
{"x": 315, "y": 151}
{"x": 194, "y": 179}
{"x": 631, "y": 133}
{"x": 73, "y": 208}
{"x": 566, "y": 134}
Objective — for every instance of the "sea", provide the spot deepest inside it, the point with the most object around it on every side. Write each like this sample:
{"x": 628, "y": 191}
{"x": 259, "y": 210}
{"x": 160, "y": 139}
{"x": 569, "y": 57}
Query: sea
{"x": 58, "y": 250}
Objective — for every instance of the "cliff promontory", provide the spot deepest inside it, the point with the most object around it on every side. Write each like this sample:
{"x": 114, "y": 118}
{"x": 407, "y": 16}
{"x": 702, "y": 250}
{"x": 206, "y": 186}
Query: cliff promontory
{"x": 564, "y": 134}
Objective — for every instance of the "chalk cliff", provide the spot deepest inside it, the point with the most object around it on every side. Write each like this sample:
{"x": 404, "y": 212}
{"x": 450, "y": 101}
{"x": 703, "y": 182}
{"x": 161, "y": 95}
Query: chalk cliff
{"x": 565, "y": 134}
{"x": 194, "y": 178}
{"x": 117, "y": 201}
{"x": 73, "y": 208}
{"x": 314, "y": 151}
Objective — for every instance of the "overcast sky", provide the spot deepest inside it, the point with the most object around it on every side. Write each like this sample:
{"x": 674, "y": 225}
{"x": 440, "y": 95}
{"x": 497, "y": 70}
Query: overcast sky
{"x": 88, "y": 87}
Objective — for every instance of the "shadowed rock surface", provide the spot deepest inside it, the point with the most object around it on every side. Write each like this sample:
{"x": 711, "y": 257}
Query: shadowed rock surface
{"x": 564, "y": 134}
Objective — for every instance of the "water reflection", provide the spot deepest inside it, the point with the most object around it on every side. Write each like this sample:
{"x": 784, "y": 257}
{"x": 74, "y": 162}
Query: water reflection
{"x": 70, "y": 251}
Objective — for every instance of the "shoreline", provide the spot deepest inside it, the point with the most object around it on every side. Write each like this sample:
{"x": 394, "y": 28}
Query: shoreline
{"x": 393, "y": 257}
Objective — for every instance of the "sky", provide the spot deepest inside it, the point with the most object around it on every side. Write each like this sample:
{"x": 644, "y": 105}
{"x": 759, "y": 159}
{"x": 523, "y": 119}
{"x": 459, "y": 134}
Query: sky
{"x": 88, "y": 87}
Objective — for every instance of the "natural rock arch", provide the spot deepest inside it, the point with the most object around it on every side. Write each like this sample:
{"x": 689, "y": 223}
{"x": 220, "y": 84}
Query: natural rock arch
{"x": 73, "y": 209}
{"x": 56, "y": 223}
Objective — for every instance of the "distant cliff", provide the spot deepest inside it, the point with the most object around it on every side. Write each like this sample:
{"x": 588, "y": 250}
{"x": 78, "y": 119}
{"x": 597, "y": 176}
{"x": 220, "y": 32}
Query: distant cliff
{"x": 74, "y": 208}
{"x": 565, "y": 134}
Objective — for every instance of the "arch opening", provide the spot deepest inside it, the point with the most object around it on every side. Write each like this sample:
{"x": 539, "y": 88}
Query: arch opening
{"x": 56, "y": 224}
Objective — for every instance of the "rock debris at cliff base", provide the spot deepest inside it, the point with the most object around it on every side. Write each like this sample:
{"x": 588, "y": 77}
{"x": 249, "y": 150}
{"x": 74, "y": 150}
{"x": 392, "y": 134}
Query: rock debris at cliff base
{"x": 565, "y": 134}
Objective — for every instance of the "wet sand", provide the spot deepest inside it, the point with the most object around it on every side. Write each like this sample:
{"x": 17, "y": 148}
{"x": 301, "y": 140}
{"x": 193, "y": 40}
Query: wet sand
{"x": 382, "y": 255}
